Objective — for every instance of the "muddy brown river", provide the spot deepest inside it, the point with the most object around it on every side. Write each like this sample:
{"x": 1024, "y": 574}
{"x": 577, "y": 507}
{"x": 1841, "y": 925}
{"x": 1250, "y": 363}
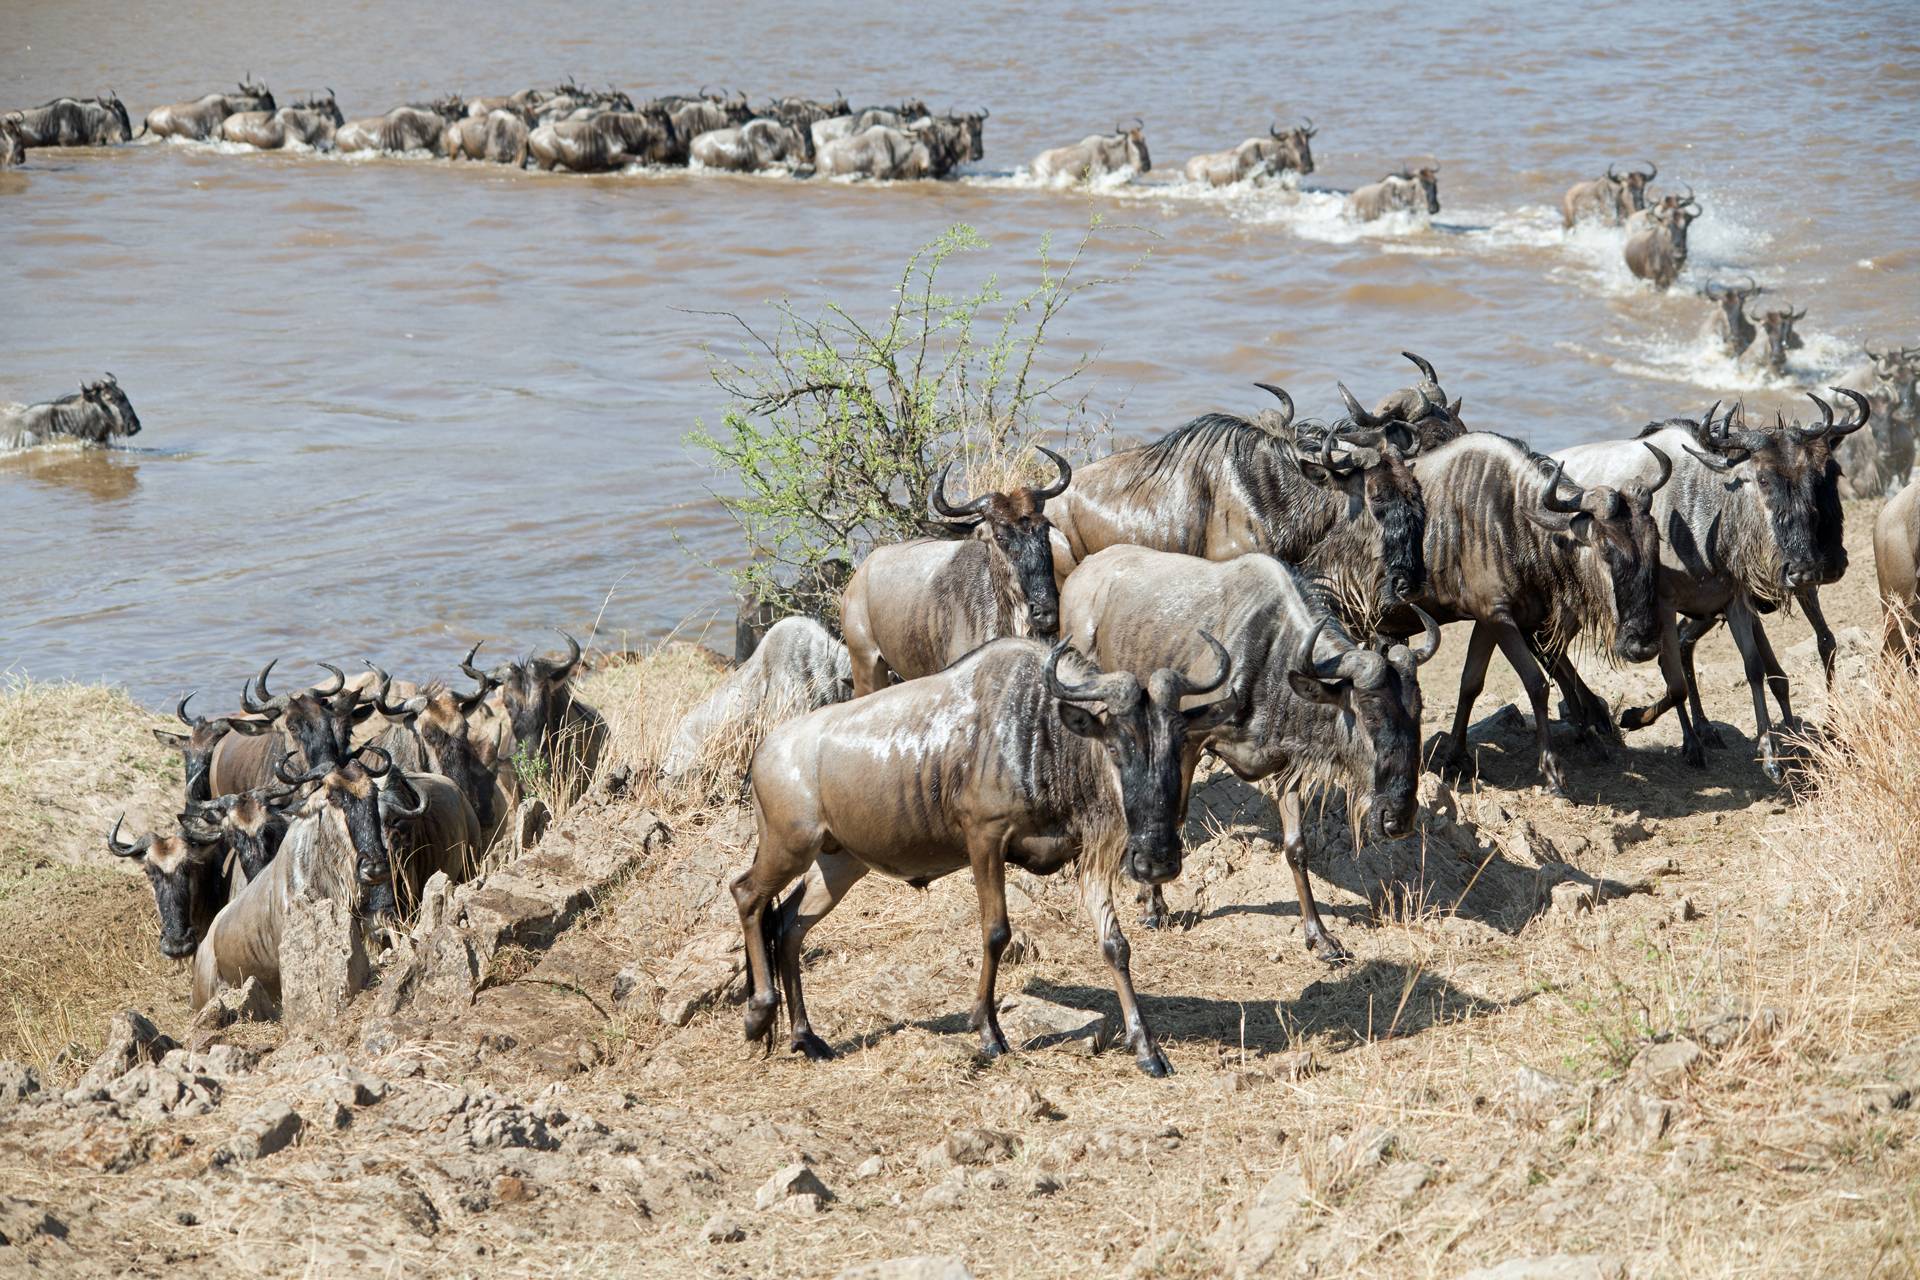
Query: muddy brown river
{"x": 393, "y": 406}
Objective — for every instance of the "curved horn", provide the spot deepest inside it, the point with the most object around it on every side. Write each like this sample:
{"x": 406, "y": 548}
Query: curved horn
{"x": 383, "y": 684}
{"x": 198, "y": 829}
{"x": 1280, "y": 395}
{"x": 1093, "y": 691}
{"x": 1223, "y": 667}
{"x": 467, "y": 667}
{"x": 1310, "y": 665}
{"x": 1826, "y": 420}
{"x": 298, "y": 779}
{"x": 1861, "y": 403}
{"x": 1360, "y": 416}
{"x": 339, "y": 680}
{"x": 1311, "y": 129}
{"x": 1666, "y": 470}
{"x": 1059, "y": 486}
{"x": 1653, "y": 170}
{"x": 1721, "y": 464}
{"x": 254, "y": 696}
{"x": 1707, "y": 422}
{"x": 403, "y": 808}
{"x": 1611, "y": 175}
{"x": 120, "y": 850}
{"x": 386, "y": 760}
{"x": 548, "y": 668}
{"x": 180, "y": 712}
{"x": 1273, "y": 130}
{"x": 1552, "y": 500}
{"x": 947, "y": 508}
{"x": 1423, "y": 366}
{"x": 1430, "y": 641}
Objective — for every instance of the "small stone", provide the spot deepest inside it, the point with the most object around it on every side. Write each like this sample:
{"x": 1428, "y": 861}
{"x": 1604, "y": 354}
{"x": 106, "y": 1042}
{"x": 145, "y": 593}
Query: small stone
{"x": 269, "y": 1128}
{"x": 131, "y": 1039}
{"x": 1633, "y": 1119}
{"x": 804, "y": 1205}
{"x": 942, "y": 1195}
{"x": 1662, "y": 864}
{"x": 1043, "y": 1183}
{"x": 973, "y": 1147}
{"x": 630, "y": 982}
{"x": 1032, "y": 1023}
{"x": 18, "y": 1082}
{"x": 723, "y": 1228}
{"x": 795, "y": 1179}
{"x": 1571, "y": 898}
{"x": 1016, "y": 1103}
{"x": 869, "y": 1169}
{"x": 1297, "y": 1066}
{"x": 920, "y": 1268}
{"x": 509, "y": 1189}
{"x": 1668, "y": 1063}
{"x": 1401, "y": 1182}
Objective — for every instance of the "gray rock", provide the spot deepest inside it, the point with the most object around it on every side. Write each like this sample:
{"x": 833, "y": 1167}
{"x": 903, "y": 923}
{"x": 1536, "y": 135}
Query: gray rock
{"x": 323, "y": 961}
{"x": 968, "y": 1147}
{"x": 1633, "y": 1119}
{"x": 794, "y": 1180}
{"x": 709, "y": 969}
{"x": 18, "y": 1082}
{"x": 21, "y": 1221}
{"x": 1669, "y": 1063}
{"x": 870, "y": 1168}
{"x": 248, "y": 1002}
{"x": 1254, "y": 1238}
{"x": 132, "y": 1039}
{"x": 723, "y": 1228}
{"x": 1032, "y": 1023}
{"x": 1560, "y": 1266}
{"x": 269, "y": 1128}
{"x": 927, "y": 1267}
{"x": 1570, "y": 898}
{"x": 948, "y": 1194}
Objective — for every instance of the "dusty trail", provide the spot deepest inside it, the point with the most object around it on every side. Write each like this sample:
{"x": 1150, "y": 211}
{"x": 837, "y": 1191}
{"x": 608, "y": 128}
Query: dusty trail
{"x": 1622, "y": 1028}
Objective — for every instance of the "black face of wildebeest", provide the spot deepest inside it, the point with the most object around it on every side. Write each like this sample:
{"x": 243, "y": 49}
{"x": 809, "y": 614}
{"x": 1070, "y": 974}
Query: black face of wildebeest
{"x": 320, "y": 721}
{"x": 196, "y": 745}
{"x": 353, "y": 788}
{"x": 1018, "y": 525}
{"x": 1148, "y": 740}
{"x": 185, "y": 873}
{"x": 1387, "y": 485}
{"x": 249, "y": 825}
{"x": 1829, "y": 540}
{"x": 530, "y": 691}
{"x": 1618, "y": 524}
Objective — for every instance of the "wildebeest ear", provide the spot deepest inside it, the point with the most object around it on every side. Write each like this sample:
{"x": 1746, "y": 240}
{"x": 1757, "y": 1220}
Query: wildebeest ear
{"x": 1318, "y": 474}
{"x": 168, "y": 738}
{"x": 1080, "y": 720}
{"x": 1213, "y": 714}
{"x": 249, "y": 728}
{"x": 1329, "y": 692}
{"x": 364, "y": 711}
{"x": 1584, "y": 527}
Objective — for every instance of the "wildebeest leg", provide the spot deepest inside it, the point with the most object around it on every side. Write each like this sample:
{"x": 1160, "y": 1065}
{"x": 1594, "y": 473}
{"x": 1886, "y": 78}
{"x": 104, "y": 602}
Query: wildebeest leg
{"x": 1155, "y": 902}
{"x": 1294, "y": 844}
{"x": 1097, "y": 893}
{"x": 987, "y": 853}
{"x": 1822, "y": 633}
{"x": 1473, "y": 678}
{"x": 1513, "y": 643}
{"x": 1586, "y": 710}
{"x": 777, "y": 861}
{"x": 802, "y": 909}
{"x": 1741, "y": 622}
{"x": 1776, "y": 677}
{"x": 1693, "y": 728}
{"x": 1691, "y": 632}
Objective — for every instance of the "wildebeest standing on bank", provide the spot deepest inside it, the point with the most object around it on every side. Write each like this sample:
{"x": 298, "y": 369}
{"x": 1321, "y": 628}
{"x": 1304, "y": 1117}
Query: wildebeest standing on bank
{"x": 547, "y": 724}
{"x": 1612, "y": 199}
{"x": 310, "y": 728}
{"x": 1314, "y": 707}
{"x": 1532, "y": 567}
{"x": 799, "y": 667}
{"x": 1656, "y": 248}
{"x": 1097, "y": 155}
{"x": 435, "y": 731}
{"x": 501, "y": 137}
{"x": 200, "y": 119}
{"x": 1003, "y": 757}
{"x": 609, "y": 140}
{"x": 1345, "y": 508}
{"x": 915, "y": 607}
{"x": 1408, "y": 191}
{"x": 418, "y": 126}
{"x": 1729, "y": 327}
{"x": 1273, "y": 155}
{"x": 97, "y": 414}
{"x": 74, "y": 122}
{"x": 1896, "y": 564}
{"x": 309, "y": 124}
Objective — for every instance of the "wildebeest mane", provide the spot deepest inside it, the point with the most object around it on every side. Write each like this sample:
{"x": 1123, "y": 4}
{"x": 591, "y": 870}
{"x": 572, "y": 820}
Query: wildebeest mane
{"x": 1237, "y": 439}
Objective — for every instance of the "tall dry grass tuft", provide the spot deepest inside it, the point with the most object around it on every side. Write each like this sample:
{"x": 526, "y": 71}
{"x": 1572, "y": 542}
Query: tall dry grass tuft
{"x": 1861, "y": 813}
{"x": 643, "y": 701}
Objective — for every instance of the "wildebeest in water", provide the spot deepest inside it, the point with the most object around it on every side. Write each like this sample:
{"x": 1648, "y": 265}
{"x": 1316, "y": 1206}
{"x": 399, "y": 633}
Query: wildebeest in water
{"x": 98, "y": 414}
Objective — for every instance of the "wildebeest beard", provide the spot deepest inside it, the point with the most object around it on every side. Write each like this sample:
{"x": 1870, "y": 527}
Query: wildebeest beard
{"x": 1394, "y": 499}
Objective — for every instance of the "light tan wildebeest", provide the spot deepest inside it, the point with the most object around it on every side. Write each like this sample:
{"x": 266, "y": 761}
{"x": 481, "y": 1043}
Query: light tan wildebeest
{"x": 1896, "y": 562}
{"x": 1096, "y": 155}
{"x": 200, "y": 119}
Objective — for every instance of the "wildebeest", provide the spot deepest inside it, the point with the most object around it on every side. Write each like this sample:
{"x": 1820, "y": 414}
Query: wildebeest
{"x": 1729, "y": 327}
{"x": 549, "y": 727}
{"x": 434, "y": 731}
{"x": 249, "y": 826}
{"x": 97, "y": 414}
{"x": 798, "y": 667}
{"x": 1612, "y": 199}
{"x": 524, "y": 103}
{"x": 609, "y": 140}
{"x": 1778, "y": 338}
{"x": 13, "y": 147}
{"x": 802, "y": 113}
{"x": 883, "y": 152}
{"x": 74, "y": 122}
{"x": 1003, "y": 757}
{"x": 915, "y": 607}
{"x": 1882, "y": 459}
{"x": 1896, "y": 565}
{"x": 694, "y": 116}
{"x": 1415, "y": 406}
{"x": 418, "y": 126}
{"x": 197, "y": 744}
{"x": 1314, "y": 707}
{"x": 335, "y": 847}
{"x": 1408, "y": 191}
{"x": 1344, "y": 507}
{"x": 815, "y": 595}
{"x": 189, "y": 883}
{"x": 1277, "y": 153}
{"x": 1751, "y": 518}
{"x": 200, "y": 119}
{"x": 500, "y": 136}
{"x": 1533, "y": 568}
{"x": 310, "y": 728}
{"x": 1096, "y": 155}
{"x": 852, "y": 122}
{"x": 307, "y": 124}
{"x": 753, "y": 146}
{"x": 1656, "y": 248}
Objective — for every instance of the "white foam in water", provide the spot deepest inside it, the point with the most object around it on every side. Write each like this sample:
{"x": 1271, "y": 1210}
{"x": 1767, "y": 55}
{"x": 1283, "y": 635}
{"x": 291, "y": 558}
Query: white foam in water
{"x": 1700, "y": 361}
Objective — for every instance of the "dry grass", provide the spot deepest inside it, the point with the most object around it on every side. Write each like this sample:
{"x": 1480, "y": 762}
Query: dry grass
{"x": 644, "y": 700}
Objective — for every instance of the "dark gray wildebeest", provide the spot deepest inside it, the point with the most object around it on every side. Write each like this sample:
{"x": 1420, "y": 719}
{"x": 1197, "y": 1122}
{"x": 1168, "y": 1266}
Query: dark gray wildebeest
{"x": 575, "y": 103}
{"x": 1751, "y": 518}
{"x": 610, "y": 140}
{"x": 916, "y": 607}
{"x": 418, "y": 126}
{"x": 188, "y": 878}
{"x": 13, "y": 147}
{"x": 1344, "y": 507}
{"x": 1288, "y": 151}
{"x": 1611, "y": 200}
{"x": 1415, "y": 406}
{"x": 852, "y": 122}
{"x": 335, "y": 847}
{"x": 1896, "y": 565}
{"x": 752, "y": 147}
{"x": 1656, "y": 248}
{"x": 74, "y": 122}
{"x": 310, "y": 728}
{"x": 798, "y": 668}
{"x": 546, "y": 724}
{"x": 499, "y": 137}
{"x": 1778, "y": 338}
{"x": 1408, "y": 191}
{"x": 1096, "y": 155}
{"x": 815, "y": 595}
{"x": 196, "y": 746}
{"x": 1729, "y": 327}
{"x": 434, "y": 731}
{"x": 200, "y": 119}
{"x": 695, "y": 116}
{"x": 524, "y": 103}
{"x": 304, "y": 124}
{"x": 957, "y": 138}
{"x": 1014, "y": 754}
{"x": 1314, "y": 707}
{"x": 98, "y": 414}
{"x": 1533, "y": 568}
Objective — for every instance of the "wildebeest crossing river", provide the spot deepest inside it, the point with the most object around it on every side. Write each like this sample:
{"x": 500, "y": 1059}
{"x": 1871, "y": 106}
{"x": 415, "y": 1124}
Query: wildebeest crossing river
{"x": 388, "y": 401}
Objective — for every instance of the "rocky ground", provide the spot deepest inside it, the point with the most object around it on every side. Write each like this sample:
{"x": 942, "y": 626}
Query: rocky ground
{"x": 1636, "y": 1033}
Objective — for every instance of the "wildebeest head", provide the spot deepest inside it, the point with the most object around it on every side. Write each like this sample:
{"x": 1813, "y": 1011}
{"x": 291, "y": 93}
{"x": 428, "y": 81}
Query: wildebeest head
{"x": 111, "y": 104}
{"x": 353, "y": 792}
{"x": 1151, "y": 746}
{"x": 249, "y": 825}
{"x": 107, "y": 396}
{"x": 1134, "y": 137}
{"x": 1015, "y": 524}
{"x": 258, "y": 94}
{"x": 1732, "y": 301}
{"x": 319, "y": 721}
{"x": 441, "y": 719}
{"x": 529, "y": 693}
{"x": 184, "y": 871}
{"x": 1776, "y": 323}
{"x": 1369, "y": 458}
{"x": 1294, "y": 146}
{"x": 1379, "y": 689}
{"x": 1631, "y": 187}
{"x": 197, "y": 743}
{"x": 1618, "y": 525}
{"x": 1428, "y": 176}
{"x": 326, "y": 108}
{"x": 1797, "y": 478}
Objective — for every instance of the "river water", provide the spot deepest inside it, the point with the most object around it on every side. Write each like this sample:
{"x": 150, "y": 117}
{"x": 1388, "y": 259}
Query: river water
{"x": 393, "y": 406}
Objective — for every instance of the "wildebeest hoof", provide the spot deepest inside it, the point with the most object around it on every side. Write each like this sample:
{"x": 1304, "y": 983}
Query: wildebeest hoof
{"x": 1153, "y": 918}
{"x": 1712, "y": 737}
{"x": 1153, "y": 1062}
{"x": 1329, "y": 951}
{"x": 1636, "y": 717}
{"x": 759, "y": 1019}
{"x": 813, "y": 1046}
{"x": 1694, "y": 754}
